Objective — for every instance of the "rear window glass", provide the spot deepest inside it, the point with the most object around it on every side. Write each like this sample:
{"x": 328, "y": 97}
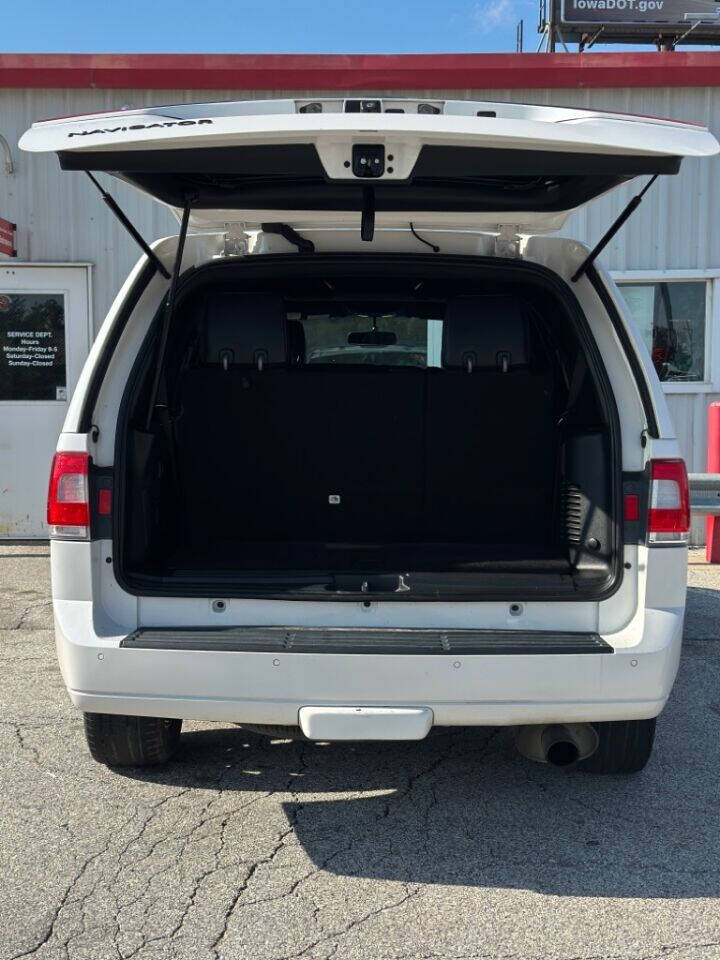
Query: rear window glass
{"x": 374, "y": 339}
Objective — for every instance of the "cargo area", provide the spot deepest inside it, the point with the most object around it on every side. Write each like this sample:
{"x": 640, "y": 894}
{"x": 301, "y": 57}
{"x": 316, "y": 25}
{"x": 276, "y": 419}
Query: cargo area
{"x": 412, "y": 427}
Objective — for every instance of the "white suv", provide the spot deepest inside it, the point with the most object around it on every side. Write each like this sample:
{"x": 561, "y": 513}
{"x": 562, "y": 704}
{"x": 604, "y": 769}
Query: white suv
{"x": 362, "y": 450}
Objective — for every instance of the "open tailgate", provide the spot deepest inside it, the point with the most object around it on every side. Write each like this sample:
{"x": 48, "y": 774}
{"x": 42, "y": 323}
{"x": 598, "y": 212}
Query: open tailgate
{"x": 450, "y": 163}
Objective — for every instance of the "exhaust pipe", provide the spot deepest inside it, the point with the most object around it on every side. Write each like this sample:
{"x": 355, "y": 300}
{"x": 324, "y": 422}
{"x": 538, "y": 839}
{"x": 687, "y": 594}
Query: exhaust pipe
{"x": 559, "y": 744}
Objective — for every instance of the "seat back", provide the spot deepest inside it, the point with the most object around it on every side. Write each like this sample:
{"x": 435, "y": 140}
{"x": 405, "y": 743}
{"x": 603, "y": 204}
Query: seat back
{"x": 491, "y": 442}
{"x": 490, "y": 333}
{"x": 245, "y": 329}
{"x": 270, "y": 449}
{"x": 229, "y": 436}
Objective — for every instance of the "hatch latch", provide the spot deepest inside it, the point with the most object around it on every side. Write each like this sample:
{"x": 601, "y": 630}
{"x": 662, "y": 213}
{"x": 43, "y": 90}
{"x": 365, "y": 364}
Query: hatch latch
{"x": 235, "y": 241}
{"x": 507, "y": 241}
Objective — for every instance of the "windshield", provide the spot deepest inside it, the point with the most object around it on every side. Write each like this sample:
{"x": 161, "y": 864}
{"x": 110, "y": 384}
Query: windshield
{"x": 377, "y": 338}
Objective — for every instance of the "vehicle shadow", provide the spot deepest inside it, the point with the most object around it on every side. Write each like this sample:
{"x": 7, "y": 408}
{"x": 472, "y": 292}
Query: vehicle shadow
{"x": 702, "y": 618}
{"x": 462, "y": 807}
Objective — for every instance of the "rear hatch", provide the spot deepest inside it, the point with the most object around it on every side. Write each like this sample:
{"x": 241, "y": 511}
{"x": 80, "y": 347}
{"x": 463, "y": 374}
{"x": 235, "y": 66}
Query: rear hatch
{"x": 368, "y": 164}
{"x": 448, "y": 163}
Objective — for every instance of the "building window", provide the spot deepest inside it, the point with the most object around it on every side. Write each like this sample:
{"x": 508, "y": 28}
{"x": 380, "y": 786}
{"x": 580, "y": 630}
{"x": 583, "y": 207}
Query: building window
{"x": 32, "y": 346}
{"x": 671, "y": 316}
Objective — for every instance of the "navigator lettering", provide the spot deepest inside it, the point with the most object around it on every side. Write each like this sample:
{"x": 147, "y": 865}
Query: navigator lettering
{"x": 141, "y": 126}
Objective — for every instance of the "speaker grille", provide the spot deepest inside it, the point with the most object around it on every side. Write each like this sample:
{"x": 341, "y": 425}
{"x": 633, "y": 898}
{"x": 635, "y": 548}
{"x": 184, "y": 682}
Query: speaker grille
{"x": 573, "y": 511}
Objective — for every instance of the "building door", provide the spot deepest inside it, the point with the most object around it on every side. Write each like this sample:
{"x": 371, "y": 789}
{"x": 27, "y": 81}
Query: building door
{"x": 44, "y": 339}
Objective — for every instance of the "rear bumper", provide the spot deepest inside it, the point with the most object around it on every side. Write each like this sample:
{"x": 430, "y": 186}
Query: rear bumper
{"x": 270, "y": 687}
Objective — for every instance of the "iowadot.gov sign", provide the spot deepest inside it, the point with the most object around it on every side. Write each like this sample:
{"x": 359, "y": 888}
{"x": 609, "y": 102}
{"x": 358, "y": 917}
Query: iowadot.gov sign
{"x": 676, "y": 12}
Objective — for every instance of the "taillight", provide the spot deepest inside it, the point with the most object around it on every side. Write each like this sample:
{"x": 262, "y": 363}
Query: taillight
{"x": 68, "y": 510}
{"x": 669, "y": 512}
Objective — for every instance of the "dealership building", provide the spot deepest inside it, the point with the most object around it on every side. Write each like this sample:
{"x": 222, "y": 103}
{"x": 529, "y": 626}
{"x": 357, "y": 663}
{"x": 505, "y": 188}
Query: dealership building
{"x": 66, "y": 258}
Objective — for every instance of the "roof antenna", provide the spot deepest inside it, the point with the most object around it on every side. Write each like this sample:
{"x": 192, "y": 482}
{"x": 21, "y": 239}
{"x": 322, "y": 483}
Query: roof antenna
{"x": 610, "y": 233}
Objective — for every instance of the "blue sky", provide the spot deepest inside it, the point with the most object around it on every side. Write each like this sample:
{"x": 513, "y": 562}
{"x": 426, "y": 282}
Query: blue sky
{"x": 265, "y": 26}
{"x": 269, "y": 26}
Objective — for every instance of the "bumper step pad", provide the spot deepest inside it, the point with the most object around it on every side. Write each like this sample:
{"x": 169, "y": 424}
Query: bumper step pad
{"x": 363, "y": 640}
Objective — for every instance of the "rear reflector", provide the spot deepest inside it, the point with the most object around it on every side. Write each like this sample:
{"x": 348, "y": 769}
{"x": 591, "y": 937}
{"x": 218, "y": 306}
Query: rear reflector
{"x": 68, "y": 509}
{"x": 104, "y": 502}
{"x": 669, "y": 513}
{"x": 632, "y": 507}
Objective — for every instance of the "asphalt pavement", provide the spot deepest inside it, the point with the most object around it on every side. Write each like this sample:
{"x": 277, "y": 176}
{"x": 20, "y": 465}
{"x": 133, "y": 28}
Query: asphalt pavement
{"x": 455, "y": 848}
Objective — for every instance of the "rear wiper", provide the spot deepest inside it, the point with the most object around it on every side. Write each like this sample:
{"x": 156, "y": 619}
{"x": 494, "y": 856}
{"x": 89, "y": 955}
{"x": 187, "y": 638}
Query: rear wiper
{"x": 292, "y": 236}
{"x": 610, "y": 233}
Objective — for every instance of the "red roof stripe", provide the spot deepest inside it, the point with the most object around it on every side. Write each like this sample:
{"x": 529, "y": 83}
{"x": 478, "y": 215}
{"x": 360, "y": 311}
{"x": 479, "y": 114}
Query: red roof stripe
{"x": 368, "y": 72}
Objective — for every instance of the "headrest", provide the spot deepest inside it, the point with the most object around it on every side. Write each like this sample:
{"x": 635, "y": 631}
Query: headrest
{"x": 296, "y": 342}
{"x": 246, "y": 329}
{"x": 487, "y": 333}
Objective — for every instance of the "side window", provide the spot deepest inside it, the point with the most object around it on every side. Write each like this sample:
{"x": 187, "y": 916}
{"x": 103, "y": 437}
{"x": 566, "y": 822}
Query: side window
{"x": 32, "y": 346}
{"x": 672, "y": 316}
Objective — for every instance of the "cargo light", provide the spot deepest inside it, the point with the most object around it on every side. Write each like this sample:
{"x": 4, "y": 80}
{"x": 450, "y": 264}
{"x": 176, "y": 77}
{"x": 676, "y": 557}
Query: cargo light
{"x": 68, "y": 509}
{"x": 669, "y": 512}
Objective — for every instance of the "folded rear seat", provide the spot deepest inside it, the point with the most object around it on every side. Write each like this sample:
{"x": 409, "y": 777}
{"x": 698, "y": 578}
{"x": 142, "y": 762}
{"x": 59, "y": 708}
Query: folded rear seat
{"x": 369, "y": 445}
{"x": 272, "y": 449}
{"x": 232, "y": 435}
{"x": 302, "y": 452}
{"x": 490, "y": 471}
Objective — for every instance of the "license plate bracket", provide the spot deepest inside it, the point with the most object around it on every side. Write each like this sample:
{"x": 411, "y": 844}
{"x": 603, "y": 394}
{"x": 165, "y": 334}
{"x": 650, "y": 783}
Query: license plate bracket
{"x": 365, "y": 723}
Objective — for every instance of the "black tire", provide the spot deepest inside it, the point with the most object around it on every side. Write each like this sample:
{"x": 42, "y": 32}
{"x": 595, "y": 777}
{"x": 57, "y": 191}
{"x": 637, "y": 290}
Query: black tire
{"x": 625, "y": 747}
{"x": 121, "y": 741}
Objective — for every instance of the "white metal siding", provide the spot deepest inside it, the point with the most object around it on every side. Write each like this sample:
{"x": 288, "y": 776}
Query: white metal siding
{"x": 61, "y": 218}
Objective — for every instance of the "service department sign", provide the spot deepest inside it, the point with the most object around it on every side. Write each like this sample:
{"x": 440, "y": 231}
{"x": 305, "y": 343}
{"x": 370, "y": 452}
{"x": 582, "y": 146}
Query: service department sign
{"x": 677, "y": 12}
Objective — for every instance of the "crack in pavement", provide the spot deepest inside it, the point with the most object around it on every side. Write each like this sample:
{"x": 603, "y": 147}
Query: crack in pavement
{"x": 409, "y": 894}
{"x": 193, "y": 862}
{"x": 279, "y": 843}
{"x": 38, "y": 605}
{"x": 57, "y": 910}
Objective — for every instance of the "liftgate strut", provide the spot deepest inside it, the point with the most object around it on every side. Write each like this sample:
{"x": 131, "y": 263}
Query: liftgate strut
{"x": 610, "y": 233}
{"x": 149, "y": 253}
{"x": 167, "y": 313}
